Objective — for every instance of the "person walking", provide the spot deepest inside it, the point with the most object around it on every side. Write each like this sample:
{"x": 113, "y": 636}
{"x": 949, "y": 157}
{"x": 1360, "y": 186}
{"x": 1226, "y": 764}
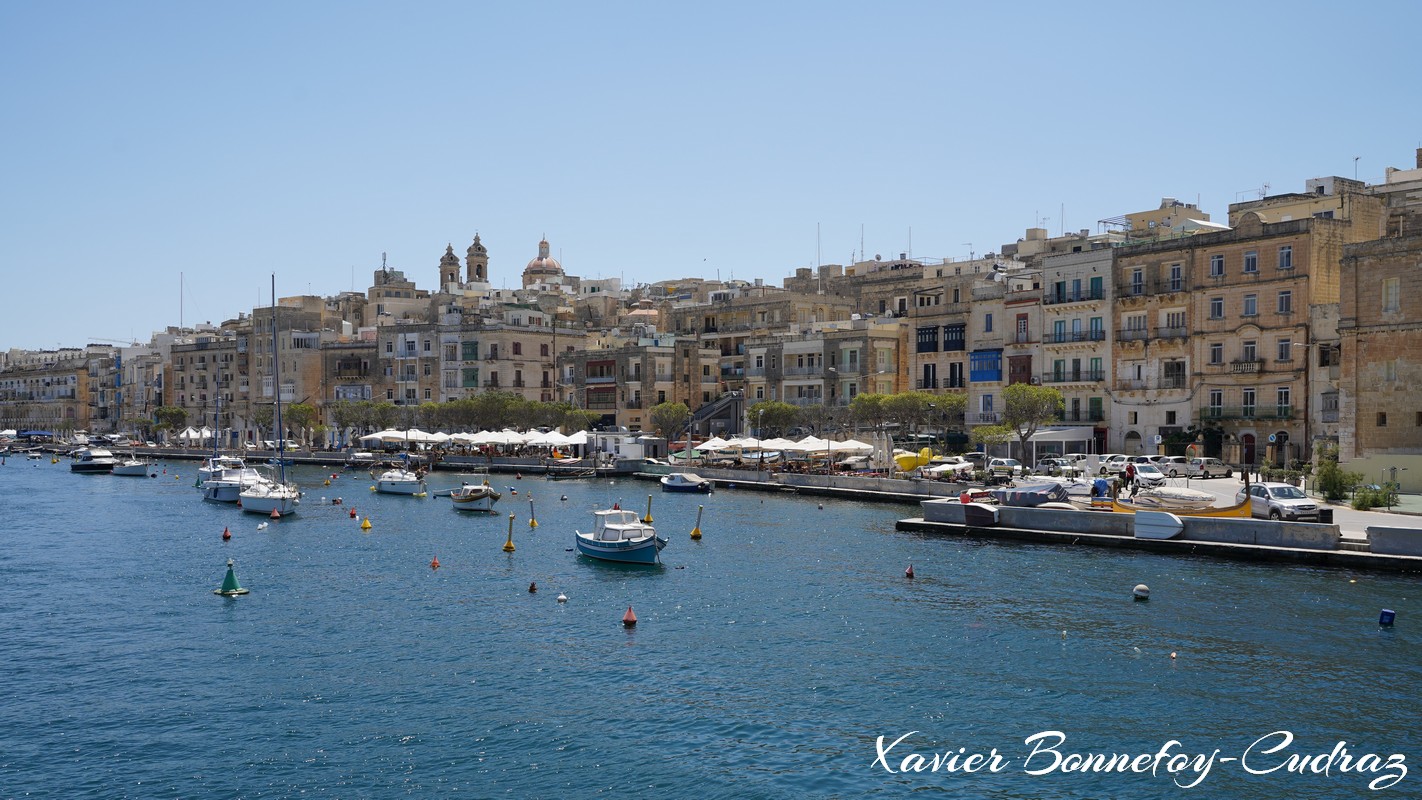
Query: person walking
{"x": 1131, "y": 478}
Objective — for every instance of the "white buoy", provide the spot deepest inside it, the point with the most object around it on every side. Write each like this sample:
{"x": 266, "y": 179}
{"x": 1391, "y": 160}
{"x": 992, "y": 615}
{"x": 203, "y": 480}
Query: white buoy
{"x": 562, "y": 598}
{"x": 1141, "y": 592}
{"x": 261, "y": 526}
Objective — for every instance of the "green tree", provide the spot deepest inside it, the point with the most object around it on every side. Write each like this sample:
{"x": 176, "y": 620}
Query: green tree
{"x": 579, "y": 419}
{"x": 984, "y": 436}
{"x": 262, "y": 416}
{"x": 772, "y": 416}
{"x": 667, "y": 418}
{"x": 299, "y": 417}
{"x": 867, "y": 409}
{"x": 1027, "y": 408}
{"x": 908, "y": 410}
{"x": 170, "y": 418}
{"x": 383, "y": 415}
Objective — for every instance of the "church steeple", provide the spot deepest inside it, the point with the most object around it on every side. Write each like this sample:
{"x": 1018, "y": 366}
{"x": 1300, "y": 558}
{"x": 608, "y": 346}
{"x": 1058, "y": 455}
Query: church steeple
{"x": 448, "y": 268}
{"x": 477, "y": 259}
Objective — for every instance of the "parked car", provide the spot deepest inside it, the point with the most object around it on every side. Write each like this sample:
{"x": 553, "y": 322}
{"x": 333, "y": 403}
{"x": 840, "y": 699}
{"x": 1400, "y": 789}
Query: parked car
{"x": 1279, "y": 501}
{"x": 1141, "y": 460}
{"x": 1005, "y": 466}
{"x": 1055, "y": 466}
{"x": 1174, "y": 466}
{"x": 1114, "y": 464}
{"x": 1149, "y": 476}
{"x": 1206, "y": 468}
{"x": 977, "y": 459}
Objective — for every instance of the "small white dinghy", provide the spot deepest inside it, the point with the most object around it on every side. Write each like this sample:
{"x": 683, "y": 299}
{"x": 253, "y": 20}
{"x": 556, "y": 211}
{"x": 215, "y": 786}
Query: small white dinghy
{"x": 1158, "y": 525}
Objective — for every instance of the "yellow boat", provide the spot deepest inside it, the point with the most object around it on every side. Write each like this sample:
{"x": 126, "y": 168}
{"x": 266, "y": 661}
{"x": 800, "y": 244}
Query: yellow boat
{"x": 908, "y": 462}
{"x": 1241, "y": 510}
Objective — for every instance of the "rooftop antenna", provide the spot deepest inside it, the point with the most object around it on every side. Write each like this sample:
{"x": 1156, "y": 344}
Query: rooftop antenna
{"x": 1355, "y": 167}
{"x": 817, "y": 244}
{"x": 861, "y": 243}
{"x": 180, "y": 300}
{"x": 969, "y": 245}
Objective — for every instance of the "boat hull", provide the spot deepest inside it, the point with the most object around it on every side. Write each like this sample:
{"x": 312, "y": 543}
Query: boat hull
{"x": 479, "y": 499}
{"x": 221, "y": 492}
{"x": 704, "y": 488}
{"x": 400, "y": 487}
{"x": 266, "y": 505}
{"x": 979, "y": 515}
{"x": 1241, "y": 510}
{"x": 92, "y": 468}
{"x": 644, "y": 551}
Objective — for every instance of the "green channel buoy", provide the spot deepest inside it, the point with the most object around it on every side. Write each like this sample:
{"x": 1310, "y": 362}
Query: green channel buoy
{"x": 229, "y": 583}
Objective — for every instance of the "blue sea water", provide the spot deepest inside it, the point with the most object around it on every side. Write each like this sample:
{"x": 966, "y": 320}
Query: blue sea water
{"x": 769, "y": 658}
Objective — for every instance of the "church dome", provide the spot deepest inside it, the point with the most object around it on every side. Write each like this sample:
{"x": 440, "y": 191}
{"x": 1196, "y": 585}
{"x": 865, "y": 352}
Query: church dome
{"x": 544, "y": 265}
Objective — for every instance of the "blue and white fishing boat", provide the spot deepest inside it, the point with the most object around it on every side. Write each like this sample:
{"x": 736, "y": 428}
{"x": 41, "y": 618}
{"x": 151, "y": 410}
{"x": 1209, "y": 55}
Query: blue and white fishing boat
{"x": 620, "y": 535}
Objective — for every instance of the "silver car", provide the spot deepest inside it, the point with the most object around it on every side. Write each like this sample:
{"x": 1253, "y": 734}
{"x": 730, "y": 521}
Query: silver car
{"x": 1207, "y": 468}
{"x": 1279, "y": 501}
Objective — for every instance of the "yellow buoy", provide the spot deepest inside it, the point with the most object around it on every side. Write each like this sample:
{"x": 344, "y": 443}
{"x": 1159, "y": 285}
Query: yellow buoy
{"x": 327, "y": 483}
{"x": 648, "y": 519}
{"x": 509, "y": 545}
{"x": 696, "y": 532}
{"x": 365, "y": 524}
{"x": 372, "y": 488}
{"x": 532, "y": 520}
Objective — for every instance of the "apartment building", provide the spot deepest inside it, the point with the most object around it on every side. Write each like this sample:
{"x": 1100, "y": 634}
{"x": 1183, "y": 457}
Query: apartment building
{"x": 1076, "y": 350}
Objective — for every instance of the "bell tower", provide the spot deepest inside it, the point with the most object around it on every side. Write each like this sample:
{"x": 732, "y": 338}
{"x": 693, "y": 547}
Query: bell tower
{"x": 448, "y": 268}
{"x": 477, "y": 259}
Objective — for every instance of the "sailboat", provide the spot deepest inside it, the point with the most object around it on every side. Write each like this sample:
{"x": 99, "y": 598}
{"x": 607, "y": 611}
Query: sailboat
{"x": 276, "y": 496}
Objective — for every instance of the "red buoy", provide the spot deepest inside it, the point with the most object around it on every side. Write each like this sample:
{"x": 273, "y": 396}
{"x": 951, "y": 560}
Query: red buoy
{"x": 276, "y": 514}
{"x": 518, "y": 476}
{"x": 226, "y": 534}
{"x": 908, "y": 573}
{"x": 533, "y": 587}
{"x": 629, "y": 619}
{"x": 435, "y": 564}
{"x": 352, "y": 512}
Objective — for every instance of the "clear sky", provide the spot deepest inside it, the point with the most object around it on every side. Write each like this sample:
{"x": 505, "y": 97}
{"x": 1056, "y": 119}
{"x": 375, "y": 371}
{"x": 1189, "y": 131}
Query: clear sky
{"x": 224, "y": 142}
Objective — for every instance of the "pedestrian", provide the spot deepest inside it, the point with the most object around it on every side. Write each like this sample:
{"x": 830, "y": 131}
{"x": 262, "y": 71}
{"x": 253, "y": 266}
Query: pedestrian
{"x": 1131, "y": 478}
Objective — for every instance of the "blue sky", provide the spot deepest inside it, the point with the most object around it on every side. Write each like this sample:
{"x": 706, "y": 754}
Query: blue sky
{"x": 225, "y": 142}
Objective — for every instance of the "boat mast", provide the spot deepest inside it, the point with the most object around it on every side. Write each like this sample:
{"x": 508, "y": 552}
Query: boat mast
{"x": 276, "y": 389}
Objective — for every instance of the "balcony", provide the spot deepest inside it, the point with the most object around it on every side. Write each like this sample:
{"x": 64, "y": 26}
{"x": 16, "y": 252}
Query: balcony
{"x": 928, "y": 384}
{"x": 1329, "y": 415}
{"x": 1170, "y": 285}
{"x": 801, "y": 402}
{"x": 1247, "y": 412}
{"x": 755, "y": 372}
{"x": 634, "y": 403}
{"x": 791, "y": 372}
{"x": 1132, "y": 335}
{"x": 1079, "y": 296}
{"x": 602, "y": 405}
{"x": 665, "y": 377}
{"x": 601, "y": 379}
{"x": 1070, "y": 337}
{"x": 1171, "y": 333}
{"x": 1084, "y": 417}
{"x": 1074, "y": 376}
{"x": 981, "y": 417}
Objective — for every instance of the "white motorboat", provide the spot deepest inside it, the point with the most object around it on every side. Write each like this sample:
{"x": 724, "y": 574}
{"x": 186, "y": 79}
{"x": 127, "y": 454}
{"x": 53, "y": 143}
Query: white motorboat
{"x": 228, "y": 485}
{"x": 93, "y": 460}
{"x": 685, "y": 482}
{"x": 475, "y": 497}
{"x": 398, "y": 480}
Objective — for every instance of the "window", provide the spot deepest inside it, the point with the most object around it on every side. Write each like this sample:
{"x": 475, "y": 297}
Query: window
{"x": 928, "y": 339}
{"x": 1138, "y": 281}
{"x": 1216, "y": 308}
{"x": 1217, "y": 353}
{"x": 1131, "y": 418}
{"x": 1390, "y": 370}
{"x": 1177, "y": 278}
{"x": 1173, "y": 374}
{"x": 1247, "y": 406}
{"x": 1216, "y": 266}
{"x": 1251, "y": 261}
{"x": 1382, "y": 419}
{"x": 518, "y": 348}
{"x": 427, "y": 345}
{"x": 1286, "y": 302}
{"x": 1170, "y": 418}
{"x": 954, "y": 337}
{"x": 1251, "y": 305}
{"x": 987, "y": 322}
{"x": 1286, "y": 257}
{"x": 389, "y": 347}
{"x": 427, "y": 394}
{"x": 1059, "y": 333}
{"x": 1098, "y": 329}
{"x": 1216, "y": 402}
{"x": 1391, "y": 295}
{"x": 1286, "y": 350}
{"x": 1282, "y": 399}
{"x": 1175, "y": 320}
{"x": 1249, "y": 350}
{"x": 543, "y": 349}
{"x": 986, "y": 365}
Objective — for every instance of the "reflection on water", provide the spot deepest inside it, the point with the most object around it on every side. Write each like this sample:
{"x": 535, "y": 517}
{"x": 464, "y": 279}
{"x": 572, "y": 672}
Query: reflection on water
{"x": 768, "y": 657}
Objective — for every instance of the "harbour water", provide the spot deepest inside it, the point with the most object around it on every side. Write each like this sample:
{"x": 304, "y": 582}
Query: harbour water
{"x": 769, "y": 658}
